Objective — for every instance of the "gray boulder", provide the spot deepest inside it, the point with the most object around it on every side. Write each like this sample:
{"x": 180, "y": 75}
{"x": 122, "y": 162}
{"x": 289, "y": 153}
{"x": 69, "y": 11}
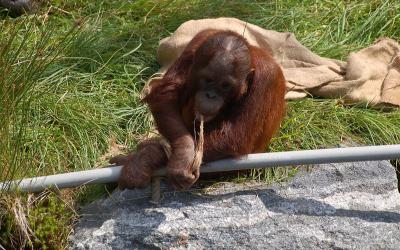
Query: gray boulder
{"x": 19, "y": 7}
{"x": 341, "y": 206}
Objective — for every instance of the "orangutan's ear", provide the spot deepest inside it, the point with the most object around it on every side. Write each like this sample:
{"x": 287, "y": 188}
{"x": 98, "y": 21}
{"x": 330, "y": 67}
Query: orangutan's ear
{"x": 250, "y": 76}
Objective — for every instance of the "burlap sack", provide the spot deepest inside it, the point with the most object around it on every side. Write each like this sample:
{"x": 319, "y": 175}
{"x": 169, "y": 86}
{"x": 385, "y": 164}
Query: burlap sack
{"x": 371, "y": 75}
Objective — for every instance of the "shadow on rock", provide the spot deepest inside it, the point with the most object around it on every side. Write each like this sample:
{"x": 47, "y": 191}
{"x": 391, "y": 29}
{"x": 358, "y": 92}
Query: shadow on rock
{"x": 312, "y": 207}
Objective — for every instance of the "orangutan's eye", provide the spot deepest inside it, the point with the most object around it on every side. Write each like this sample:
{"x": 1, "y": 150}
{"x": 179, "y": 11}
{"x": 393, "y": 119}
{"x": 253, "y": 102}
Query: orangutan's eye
{"x": 206, "y": 82}
{"x": 226, "y": 86}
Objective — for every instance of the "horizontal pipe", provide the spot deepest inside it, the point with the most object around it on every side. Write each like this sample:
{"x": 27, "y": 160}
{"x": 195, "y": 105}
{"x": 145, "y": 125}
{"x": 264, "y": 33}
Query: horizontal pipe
{"x": 252, "y": 161}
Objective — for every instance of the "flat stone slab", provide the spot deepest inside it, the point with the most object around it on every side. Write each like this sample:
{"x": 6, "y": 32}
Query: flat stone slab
{"x": 341, "y": 206}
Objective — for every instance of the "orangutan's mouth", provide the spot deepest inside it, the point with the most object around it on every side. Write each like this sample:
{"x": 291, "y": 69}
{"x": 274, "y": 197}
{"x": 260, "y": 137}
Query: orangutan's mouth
{"x": 206, "y": 118}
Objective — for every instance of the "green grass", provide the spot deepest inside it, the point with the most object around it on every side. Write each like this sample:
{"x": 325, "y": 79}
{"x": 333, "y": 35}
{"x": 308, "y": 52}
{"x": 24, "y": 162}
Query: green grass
{"x": 86, "y": 98}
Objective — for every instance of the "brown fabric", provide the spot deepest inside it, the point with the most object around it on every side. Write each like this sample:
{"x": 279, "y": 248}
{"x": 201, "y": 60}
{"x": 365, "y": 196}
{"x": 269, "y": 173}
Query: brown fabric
{"x": 371, "y": 75}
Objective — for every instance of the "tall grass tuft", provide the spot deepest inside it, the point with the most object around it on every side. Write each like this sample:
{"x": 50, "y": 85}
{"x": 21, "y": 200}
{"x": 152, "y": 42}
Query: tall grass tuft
{"x": 26, "y": 52}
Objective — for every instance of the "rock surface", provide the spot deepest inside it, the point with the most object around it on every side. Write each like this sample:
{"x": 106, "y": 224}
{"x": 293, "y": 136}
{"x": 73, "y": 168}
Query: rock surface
{"x": 349, "y": 205}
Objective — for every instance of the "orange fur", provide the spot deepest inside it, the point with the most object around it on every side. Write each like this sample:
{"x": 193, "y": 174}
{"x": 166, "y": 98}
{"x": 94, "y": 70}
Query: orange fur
{"x": 246, "y": 127}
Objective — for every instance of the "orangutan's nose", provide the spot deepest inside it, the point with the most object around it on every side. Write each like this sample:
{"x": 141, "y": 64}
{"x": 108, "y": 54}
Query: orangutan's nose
{"x": 211, "y": 94}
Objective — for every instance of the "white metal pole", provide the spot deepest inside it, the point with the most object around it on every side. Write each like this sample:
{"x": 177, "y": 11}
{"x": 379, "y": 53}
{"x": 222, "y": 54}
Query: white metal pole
{"x": 252, "y": 161}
